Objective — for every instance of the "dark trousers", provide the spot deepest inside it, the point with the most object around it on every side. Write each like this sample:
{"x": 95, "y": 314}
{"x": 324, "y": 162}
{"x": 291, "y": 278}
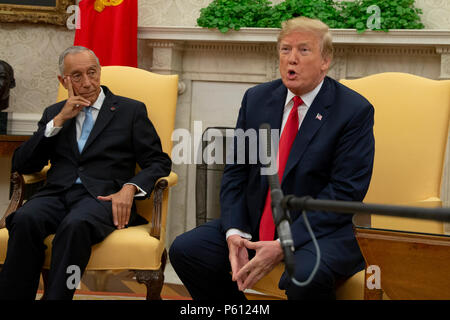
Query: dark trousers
{"x": 78, "y": 222}
{"x": 200, "y": 259}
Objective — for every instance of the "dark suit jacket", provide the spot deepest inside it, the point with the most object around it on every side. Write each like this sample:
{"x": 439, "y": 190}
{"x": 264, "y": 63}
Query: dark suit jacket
{"x": 331, "y": 158}
{"x": 122, "y": 136}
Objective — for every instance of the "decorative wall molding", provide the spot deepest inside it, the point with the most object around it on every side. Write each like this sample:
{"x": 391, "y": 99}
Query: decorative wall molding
{"x": 252, "y": 45}
{"x": 399, "y": 51}
{"x": 22, "y": 123}
{"x": 432, "y": 37}
{"x": 244, "y": 35}
{"x": 442, "y": 50}
{"x": 229, "y": 47}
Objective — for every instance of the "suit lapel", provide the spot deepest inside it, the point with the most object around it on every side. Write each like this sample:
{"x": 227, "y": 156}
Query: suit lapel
{"x": 272, "y": 113}
{"x": 106, "y": 113}
{"x": 275, "y": 107}
{"x": 316, "y": 116}
{"x": 72, "y": 136}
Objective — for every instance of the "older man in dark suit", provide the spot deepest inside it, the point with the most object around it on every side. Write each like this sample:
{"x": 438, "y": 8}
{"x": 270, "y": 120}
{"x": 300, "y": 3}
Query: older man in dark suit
{"x": 326, "y": 151}
{"x": 93, "y": 140}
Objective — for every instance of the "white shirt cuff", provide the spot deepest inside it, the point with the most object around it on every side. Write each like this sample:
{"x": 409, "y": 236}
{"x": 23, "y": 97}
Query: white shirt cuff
{"x": 140, "y": 192}
{"x": 51, "y": 130}
{"x": 234, "y": 231}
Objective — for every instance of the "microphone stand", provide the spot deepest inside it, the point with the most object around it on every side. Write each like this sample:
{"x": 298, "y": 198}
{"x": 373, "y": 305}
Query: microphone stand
{"x": 291, "y": 202}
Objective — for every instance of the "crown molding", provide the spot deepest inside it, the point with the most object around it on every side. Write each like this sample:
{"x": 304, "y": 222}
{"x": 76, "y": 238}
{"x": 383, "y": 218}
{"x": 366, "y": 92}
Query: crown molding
{"x": 423, "y": 37}
{"x": 22, "y": 123}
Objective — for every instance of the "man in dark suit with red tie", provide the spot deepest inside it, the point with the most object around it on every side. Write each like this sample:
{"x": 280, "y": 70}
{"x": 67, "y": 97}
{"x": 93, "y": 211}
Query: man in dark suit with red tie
{"x": 93, "y": 140}
{"x": 326, "y": 151}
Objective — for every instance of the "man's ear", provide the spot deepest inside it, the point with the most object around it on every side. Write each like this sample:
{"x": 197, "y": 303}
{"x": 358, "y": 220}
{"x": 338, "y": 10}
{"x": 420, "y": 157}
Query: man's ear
{"x": 62, "y": 81}
{"x": 326, "y": 62}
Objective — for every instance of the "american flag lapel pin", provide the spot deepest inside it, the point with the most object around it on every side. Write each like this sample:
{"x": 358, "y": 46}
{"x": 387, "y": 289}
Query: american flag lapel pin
{"x": 319, "y": 117}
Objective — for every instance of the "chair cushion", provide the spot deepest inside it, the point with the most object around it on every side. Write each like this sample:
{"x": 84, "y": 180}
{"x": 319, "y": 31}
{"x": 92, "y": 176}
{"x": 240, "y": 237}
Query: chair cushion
{"x": 132, "y": 248}
{"x": 269, "y": 284}
{"x": 3, "y": 244}
{"x": 351, "y": 289}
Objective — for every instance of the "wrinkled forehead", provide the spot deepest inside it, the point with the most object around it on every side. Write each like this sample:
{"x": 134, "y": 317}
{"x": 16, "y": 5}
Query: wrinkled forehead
{"x": 79, "y": 62}
{"x": 82, "y": 57}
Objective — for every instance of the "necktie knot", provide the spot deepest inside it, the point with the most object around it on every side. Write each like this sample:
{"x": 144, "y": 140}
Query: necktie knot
{"x": 297, "y": 101}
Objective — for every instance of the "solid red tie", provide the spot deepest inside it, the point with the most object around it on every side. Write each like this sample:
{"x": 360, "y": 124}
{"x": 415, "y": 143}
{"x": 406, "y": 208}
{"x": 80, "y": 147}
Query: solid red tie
{"x": 267, "y": 225}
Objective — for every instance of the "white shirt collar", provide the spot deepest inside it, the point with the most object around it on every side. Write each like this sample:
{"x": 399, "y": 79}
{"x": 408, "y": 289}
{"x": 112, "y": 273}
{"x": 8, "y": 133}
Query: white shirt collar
{"x": 308, "y": 98}
{"x": 100, "y": 99}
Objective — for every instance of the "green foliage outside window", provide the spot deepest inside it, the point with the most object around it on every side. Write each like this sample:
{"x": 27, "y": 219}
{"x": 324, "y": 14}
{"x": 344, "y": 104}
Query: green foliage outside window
{"x": 226, "y": 15}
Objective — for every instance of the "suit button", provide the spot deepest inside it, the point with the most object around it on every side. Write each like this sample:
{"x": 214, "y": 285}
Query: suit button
{"x": 81, "y": 169}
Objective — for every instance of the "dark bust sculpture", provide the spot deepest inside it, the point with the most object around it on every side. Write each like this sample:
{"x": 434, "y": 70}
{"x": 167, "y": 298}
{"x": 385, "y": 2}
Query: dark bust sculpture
{"x": 7, "y": 82}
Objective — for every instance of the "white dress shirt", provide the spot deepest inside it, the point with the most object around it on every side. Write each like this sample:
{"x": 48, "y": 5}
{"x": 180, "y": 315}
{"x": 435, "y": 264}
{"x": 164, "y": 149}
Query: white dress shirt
{"x": 308, "y": 99}
{"x": 51, "y": 130}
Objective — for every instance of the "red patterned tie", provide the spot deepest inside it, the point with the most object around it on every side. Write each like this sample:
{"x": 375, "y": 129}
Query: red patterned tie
{"x": 267, "y": 225}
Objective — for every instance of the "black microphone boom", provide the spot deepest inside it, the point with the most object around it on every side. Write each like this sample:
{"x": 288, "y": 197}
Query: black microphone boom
{"x": 291, "y": 202}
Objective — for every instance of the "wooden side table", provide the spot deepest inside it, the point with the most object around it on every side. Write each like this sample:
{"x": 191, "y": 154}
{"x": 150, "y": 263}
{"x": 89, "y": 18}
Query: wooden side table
{"x": 9, "y": 143}
{"x": 413, "y": 266}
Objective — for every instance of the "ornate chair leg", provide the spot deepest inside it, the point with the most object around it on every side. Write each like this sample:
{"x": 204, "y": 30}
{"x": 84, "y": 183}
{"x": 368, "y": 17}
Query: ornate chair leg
{"x": 153, "y": 279}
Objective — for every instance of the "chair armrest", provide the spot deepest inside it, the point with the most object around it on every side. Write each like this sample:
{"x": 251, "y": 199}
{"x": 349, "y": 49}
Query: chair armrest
{"x": 171, "y": 180}
{"x": 158, "y": 194}
{"x": 18, "y": 190}
{"x": 37, "y": 176}
{"x": 18, "y": 183}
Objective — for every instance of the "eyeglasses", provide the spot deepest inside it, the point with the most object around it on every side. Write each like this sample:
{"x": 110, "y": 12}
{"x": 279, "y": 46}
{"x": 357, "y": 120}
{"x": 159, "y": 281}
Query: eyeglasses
{"x": 77, "y": 76}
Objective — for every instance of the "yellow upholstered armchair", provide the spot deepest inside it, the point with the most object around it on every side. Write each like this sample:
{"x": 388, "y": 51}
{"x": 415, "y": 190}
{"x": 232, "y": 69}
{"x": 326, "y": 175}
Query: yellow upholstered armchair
{"x": 411, "y": 132}
{"x": 140, "y": 249}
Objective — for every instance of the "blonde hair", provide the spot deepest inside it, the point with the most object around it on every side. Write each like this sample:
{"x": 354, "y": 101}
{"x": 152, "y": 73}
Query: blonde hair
{"x": 304, "y": 24}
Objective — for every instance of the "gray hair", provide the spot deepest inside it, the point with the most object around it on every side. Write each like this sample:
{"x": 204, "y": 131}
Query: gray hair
{"x": 72, "y": 50}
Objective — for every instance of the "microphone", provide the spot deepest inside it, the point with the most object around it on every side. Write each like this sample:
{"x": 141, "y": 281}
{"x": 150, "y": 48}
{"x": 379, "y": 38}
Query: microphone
{"x": 281, "y": 217}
